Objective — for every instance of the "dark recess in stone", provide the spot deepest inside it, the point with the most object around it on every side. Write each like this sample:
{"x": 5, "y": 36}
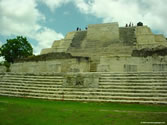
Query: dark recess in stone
{"x": 51, "y": 56}
{"x": 145, "y": 52}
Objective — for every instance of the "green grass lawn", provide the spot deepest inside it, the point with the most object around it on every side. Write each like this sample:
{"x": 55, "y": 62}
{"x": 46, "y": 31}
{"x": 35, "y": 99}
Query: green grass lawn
{"x": 23, "y": 111}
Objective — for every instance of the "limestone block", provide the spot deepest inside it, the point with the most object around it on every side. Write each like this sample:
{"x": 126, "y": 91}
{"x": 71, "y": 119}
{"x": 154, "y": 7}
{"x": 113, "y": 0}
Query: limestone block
{"x": 47, "y": 50}
{"x": 144, "y": 35}
{"x": 16, "y": 67}
{"x": 160, "y": 38}
{"x": 70, "y": 35}
{"x": 102, "y": 35}
{"x": 132, "y": 64}
{"x": 127, "y": 35}
{"x": 159, "y": 67}
{"x": 143, "y": 30}
{"x": 61, "y": 45}
{"x": 146, "y": 39}
{"x": 130, "y": 68}
{"x": 90, "y": 80}
{"x": 78, "y": 39}
{"x": 103, "y": 68}
{"x": 65, "y": 44}
{"x": 2, "y": 69}
{"x": 56, "y": 44}
{"x": 159, "y": 63}
{"x": 51, "y": 66}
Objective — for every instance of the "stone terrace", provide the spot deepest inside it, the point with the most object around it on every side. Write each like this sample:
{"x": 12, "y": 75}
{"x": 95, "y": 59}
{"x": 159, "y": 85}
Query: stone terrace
{"x": 111, "y": 87}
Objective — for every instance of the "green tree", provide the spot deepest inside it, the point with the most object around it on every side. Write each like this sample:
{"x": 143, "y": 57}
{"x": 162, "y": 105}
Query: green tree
{"x": 17, "y": 48}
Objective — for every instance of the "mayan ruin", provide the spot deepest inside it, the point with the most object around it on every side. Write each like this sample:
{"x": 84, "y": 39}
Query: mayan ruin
{"x": 104, "y": 62}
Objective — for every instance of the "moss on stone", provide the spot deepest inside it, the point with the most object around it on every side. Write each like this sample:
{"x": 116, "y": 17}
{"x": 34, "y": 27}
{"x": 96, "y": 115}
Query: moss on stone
{"x": 50, "y": 56}
{"x": 145, "y": 52}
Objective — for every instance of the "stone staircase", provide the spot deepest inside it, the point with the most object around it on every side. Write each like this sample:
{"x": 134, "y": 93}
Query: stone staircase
{"x": 113, "y": 87}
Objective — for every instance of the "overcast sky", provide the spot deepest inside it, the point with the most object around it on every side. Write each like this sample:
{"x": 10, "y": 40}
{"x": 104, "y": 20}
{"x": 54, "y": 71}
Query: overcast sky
{"x": 43, "y": 21}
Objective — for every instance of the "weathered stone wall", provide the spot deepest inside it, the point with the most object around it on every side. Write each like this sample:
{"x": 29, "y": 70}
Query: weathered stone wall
{"x": 127, "y": 35}
{"x": 47, "y": 50}
{"x": 132, "y": 64}
{"x": 102, "y": 35}
{"x": 58, "y": 65}
{"x": 60, "y": 45}
{"x": 105, "y": 37}
{"x": 90, "y": 80}
{"x": 144, "y": 35}
{"x": 78, "y": 39}
{"x": 2, "y": 69}
{"x": 160, "y": 38}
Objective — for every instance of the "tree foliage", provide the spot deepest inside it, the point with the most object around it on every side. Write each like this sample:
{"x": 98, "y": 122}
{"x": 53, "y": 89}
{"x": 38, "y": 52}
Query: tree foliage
{"x": 15, "y": 49}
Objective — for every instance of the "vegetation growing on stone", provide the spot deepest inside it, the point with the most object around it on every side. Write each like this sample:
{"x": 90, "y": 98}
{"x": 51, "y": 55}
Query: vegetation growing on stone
{"x": 145, "y": 52}
{"x": 49, "y": 56}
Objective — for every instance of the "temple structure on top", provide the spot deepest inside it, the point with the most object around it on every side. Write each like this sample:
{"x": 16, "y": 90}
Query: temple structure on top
{"x": 107, "y": 39}
{"x": 103, "y": 48}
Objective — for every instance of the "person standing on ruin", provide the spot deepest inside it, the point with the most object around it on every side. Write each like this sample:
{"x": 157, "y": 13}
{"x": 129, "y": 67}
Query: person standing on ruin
{"x": 126, "y": 25}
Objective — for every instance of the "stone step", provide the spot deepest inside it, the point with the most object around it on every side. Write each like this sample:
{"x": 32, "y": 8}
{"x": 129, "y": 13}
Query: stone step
{"x": 26, "y": 84}
{"x": 36, "y": 77}
{"x": 101, "y": 85}
{"x": 132, "y": 75}
{"x": 113, "y": 87}
{"x": 133, "y": 87}
{"x": 60, "y": 92}
{"x": 64, "y": 96}
{"x": 90, "y": 100}
{"x": 108, "y": 86}
{"x": 132, "y": 78}
{"x": 127, "y": 90}
{"x": 30, "y": 80}
{"x": 55, "y": 88}
{"x": 133, "y": 84}
{"x": 134, "y": 81}
{"x": 158, "y": 72}
{"x": 84, "y": 89}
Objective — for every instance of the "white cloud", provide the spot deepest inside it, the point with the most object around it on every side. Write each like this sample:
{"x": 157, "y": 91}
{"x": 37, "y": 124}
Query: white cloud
{"x": 83, "y": 6}
{"x": 151, "y": 12}
{"x": 21, "y": 17}
{"x": 53, "y": 4}
{"x": 46, "y": 38}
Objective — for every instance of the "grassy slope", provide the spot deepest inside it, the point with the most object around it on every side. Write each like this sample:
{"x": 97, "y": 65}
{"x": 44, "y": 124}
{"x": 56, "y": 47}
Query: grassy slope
{"x": 20, "y": 111}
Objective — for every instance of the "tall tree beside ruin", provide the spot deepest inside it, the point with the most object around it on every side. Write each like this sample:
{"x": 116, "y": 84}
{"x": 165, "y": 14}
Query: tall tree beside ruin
{"x": 15, "y": 49}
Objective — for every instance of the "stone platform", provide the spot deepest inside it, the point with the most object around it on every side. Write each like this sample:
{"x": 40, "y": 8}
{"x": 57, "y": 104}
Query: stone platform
{"x": 105, "y": 63}
{"x": 149, "y": 88}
